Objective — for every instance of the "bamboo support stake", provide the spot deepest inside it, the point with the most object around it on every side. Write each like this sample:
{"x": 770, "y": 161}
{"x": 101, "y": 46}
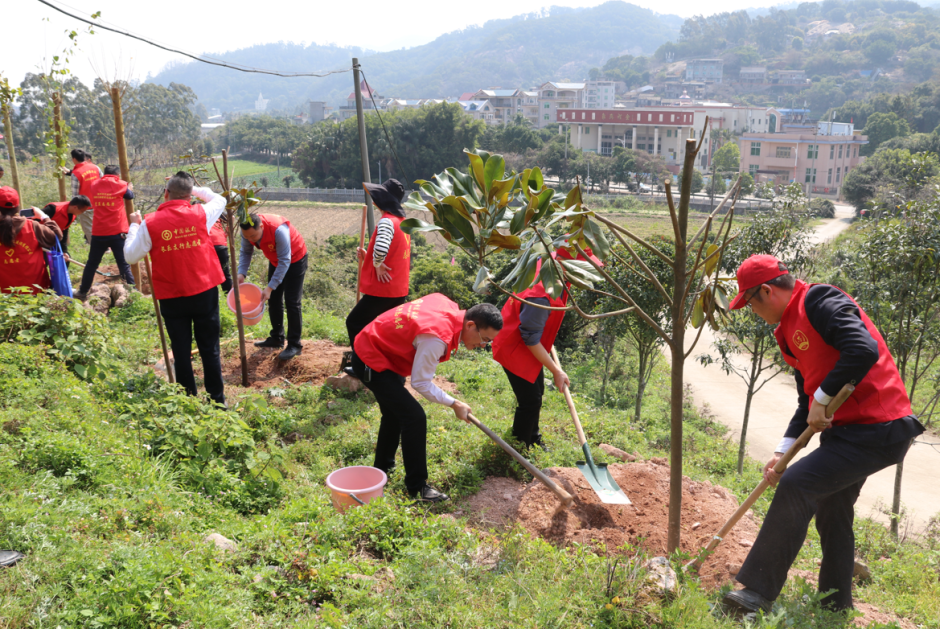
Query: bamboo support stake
{"x": 125, "y": 169}
{"x": 57, "y": 130}
{"x": 8, "y": 135}
{"x": 170, "y": 372}
{"x": 362, "y": 239}
{"x": 230, "y": 214}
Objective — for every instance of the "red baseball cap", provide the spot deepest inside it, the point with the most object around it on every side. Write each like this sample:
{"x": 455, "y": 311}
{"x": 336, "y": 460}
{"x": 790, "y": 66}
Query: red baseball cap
{"x": 9, "y": 199}
{"x": 754, "y": 271}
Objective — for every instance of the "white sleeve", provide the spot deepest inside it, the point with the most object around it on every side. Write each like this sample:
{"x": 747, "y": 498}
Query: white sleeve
{"x": 212, "y": 203}
{"x": 428, "y": 352}
{"x": 784, "y": 445}
{"x": 137, "y": 244}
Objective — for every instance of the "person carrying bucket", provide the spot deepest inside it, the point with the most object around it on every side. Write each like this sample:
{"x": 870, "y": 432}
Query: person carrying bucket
{"x": 219, "y": 239}
{"x": 286, "y": 252}
{"x": 22, "y": 263}
{"x": 524, "y": 348}
{"x": 385, "y": 268}
{"x": 411, "y": 340}
{"x": 186, "y": 276}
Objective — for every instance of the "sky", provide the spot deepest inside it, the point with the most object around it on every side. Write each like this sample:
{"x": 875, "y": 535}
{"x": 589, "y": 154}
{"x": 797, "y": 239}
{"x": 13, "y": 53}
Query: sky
{"x": 39, "y": 32}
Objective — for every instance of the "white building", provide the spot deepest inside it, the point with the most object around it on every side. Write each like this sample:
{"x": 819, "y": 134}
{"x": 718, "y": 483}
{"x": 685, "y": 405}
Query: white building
{"x": 262, "y": 103}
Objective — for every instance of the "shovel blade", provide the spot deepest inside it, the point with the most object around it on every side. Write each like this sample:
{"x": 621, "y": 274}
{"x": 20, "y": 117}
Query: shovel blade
{"x": 603, "y": 484}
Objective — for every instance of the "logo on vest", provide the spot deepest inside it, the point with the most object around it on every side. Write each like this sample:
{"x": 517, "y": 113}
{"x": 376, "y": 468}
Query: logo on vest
{"x": 801, "y": 340}
{"x": 9, "y": 252}
{"x": 167, "y": 234}
{"x": 270, "y": 247}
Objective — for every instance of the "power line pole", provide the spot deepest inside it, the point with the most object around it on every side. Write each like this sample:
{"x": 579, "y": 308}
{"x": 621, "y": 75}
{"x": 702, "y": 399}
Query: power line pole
{"x": 363, "y": 147}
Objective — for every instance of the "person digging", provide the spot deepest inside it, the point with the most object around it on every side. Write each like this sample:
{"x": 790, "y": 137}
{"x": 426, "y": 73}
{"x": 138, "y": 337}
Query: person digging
{"x": 830, "y": 342}
{"x": 524, "y": 348}
{"x": 64, "y": 214}
{"x": 411, "y": 340}
{"x": 286, "y": 252}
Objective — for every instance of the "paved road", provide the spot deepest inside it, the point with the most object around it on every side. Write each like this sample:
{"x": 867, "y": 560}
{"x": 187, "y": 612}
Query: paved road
{"x": 774, "y": 404}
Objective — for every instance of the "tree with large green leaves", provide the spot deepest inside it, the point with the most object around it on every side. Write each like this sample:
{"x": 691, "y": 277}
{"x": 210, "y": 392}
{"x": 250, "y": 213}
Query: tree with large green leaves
{"x": 485, "y": 210}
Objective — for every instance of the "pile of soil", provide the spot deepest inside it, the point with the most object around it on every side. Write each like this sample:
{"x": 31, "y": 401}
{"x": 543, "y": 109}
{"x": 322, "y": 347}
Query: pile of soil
{"x": 705, "y": 508}
{"x": 116, "y": 276}
{"x": 317, "y": 361}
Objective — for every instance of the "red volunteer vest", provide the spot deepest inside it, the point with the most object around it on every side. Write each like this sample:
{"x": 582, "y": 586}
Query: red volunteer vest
{"x": 398, "y": 258}
{"x": 62, "y": 217}
{"x": 23, "y": 264}
{"x": 270, "y": 223}
{"x": 388, "y": 342}
{"x": 217, "y": 235}
{"x": 184, "y": 262}
{"x": 107, "y": 197}
{"x": 879, "y": 397}
{"x": 86, "y": 173}
{"x": 510, "y": 351}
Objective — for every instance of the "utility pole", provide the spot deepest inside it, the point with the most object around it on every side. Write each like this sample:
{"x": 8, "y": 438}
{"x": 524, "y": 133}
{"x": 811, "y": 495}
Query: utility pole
{"x": 8, "y": 135}
{"x": 380, "y": 171}
{"x": 363, "y": 146}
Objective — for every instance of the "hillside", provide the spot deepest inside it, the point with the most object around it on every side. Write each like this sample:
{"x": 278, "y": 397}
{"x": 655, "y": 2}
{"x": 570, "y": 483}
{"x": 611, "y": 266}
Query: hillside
{"x": 521, "y": 51}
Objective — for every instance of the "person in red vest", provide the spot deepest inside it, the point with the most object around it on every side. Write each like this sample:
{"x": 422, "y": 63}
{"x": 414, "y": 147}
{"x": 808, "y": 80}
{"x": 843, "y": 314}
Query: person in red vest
{"x": 22, "y": 240}
{"x": 84, "y": 172}
{"x": 219, "y": 239}
{"x": 829, "y": 341}
{"x": 64, "y": 213}
{"x": 386, "y": 266}
{"x": 411, "y": 340}
{"x": 525, "y": 347}
{"x": 186, "y": 276}
{"x": 286, "y": 252}
{"x": 109, "y": 228}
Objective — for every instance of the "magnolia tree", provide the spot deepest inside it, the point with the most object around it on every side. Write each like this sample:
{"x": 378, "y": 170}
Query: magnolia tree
{"x": 486, "y": 209}
{"x": 782, "y": 232}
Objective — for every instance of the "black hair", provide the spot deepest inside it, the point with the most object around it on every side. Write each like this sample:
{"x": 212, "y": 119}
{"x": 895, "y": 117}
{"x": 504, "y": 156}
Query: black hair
{"x": 87, "y": 156}
{"x": 254, "y": 221}
{"x": 80, "y": 200}
{"x": 111, "y": 170}
{"x": 78, "y": 155}
{"x": 785, "y": 281}
{"x": 485, "y": 316}
{"x": 180, "y": 185}
{"x": 1, "y": 169}
{"x": 6, "y": 225}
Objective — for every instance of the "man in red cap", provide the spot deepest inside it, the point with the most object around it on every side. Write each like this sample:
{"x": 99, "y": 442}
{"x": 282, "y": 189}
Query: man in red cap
{"x": 830, "y": 342}
{"x": 411, "y": 340}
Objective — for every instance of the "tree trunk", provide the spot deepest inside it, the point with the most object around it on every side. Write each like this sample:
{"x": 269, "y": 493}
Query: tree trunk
{"x": 8, "y": 135}
{"x": 641, "y": 385}
{"x": 742, "y": 446}
{"x": 57, "y": 134}
{"x": 230, "y": 215}
{"x": 896, "y": 502}
{"x": 125, "y": 169}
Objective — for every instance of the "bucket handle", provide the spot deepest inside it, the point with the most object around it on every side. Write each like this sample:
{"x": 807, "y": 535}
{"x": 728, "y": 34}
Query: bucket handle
{"x": 356, "y": 498}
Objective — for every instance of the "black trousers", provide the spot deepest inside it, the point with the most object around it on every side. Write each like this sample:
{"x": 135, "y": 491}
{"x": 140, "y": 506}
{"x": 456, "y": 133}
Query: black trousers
{"x": 199, "y": 315}
{"x": 222, "y": 252}
{"x": 290, "y": 291}
{"x": 525, "y": 423}
{"x": 825, "y": 483}
{"x": 403, "y": 421}
{"x": 365, "y": 312}
{"x": 96, "y": 249}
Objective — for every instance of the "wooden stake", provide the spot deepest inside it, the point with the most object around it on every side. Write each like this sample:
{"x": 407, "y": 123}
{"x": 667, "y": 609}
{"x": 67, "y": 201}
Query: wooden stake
{"x": 125, "y": 169}
{"x": 57, "y": 129}
{"x": 362, "y": 239}
{"x": 8, "y": 135}
{"x": 170, "y": 372}
{"x": 230, "y": 226}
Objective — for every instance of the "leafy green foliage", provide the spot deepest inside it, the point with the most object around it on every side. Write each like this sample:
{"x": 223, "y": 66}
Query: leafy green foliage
{"x": 882, "y": 127}
{"x": 822, "y": 208}
{"x": 68, "y": 331}
{"x": 891, "y": 177}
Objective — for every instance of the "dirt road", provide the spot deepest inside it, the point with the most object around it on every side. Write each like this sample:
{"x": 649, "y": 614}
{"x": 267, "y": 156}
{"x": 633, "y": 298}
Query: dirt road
{"x": 774, "y": 404}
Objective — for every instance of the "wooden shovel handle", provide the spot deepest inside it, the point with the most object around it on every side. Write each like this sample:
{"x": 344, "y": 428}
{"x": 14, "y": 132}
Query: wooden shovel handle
{"x": 779, "y": 468}
{"x": 563, "y": 495}
{"x": 362, "y": 239}
{"x": 570, "y": 401}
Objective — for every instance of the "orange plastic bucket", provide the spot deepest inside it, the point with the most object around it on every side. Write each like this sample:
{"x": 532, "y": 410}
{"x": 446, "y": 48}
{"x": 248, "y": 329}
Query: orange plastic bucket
{"x": 355, "y": 486}
{"x": 252, "y": 304}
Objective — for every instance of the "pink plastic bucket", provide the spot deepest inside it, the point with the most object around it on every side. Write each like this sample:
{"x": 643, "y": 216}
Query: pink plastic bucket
{"x": 252, "y": 305}
{"x": 356, "y": 485}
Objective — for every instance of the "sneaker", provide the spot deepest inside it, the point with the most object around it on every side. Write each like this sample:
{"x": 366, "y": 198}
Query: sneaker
{"x": 429, "y": 494}
{"x": 9, "y": 558}
{"x": 289, "y": 353}
{"x": 269, "y": 342}
{"x": 349, "y": 372}
{"x": 79, "y": 295}
{"x": 747, "y": 601}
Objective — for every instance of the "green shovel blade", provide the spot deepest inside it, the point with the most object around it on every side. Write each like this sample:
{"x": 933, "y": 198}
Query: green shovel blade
{"x": 600, "y": 480}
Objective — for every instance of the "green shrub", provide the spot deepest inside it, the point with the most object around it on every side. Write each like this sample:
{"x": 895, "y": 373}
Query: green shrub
{"x": 822, "y": 208}
{"x": 69, "y": 331}
{"x": 61, "y": 454}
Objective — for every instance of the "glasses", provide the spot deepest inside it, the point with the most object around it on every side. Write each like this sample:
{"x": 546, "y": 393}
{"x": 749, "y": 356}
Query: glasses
{"x": 753, "y": 295}
{"x": 483, "y": 339}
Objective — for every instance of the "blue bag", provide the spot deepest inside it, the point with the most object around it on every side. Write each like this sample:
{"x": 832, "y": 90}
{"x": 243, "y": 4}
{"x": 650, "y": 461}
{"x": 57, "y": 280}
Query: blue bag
{"x": 58, "y": 272}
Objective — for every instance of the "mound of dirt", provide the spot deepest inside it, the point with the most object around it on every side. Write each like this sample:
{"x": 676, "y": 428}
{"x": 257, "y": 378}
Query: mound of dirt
{"x": 115, "y": 278}
{"x": 705, "y": 508}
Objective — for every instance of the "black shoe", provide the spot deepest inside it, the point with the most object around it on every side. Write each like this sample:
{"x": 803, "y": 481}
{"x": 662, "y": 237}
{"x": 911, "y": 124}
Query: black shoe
{"x": 289, "y": 353}
{"x": 747, "y": 600}
{"x": 349, "y": 372}
{"x": 79, "y": 295}
{"x": 269, "y": 342}
{"x": 9, "y": 558}
{"x": 429, "y": 494}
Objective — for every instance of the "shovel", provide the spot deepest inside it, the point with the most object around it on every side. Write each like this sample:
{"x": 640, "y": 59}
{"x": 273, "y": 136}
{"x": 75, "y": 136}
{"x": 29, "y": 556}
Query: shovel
{"x": 779, "y": 468}
{"x": 597, "y": 475}
{"x": 76, "y": 262}
{"x": 564, "y": 496}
